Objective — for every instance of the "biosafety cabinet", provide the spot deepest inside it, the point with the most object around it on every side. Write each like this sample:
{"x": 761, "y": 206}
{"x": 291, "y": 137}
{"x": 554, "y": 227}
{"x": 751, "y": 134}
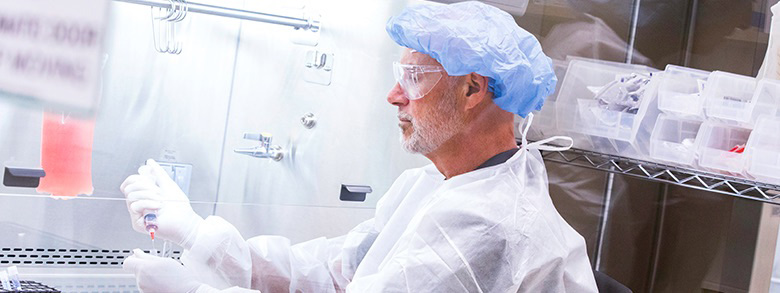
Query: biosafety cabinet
{"x": 273, "y": 115}
{"x": 306, "y": 79}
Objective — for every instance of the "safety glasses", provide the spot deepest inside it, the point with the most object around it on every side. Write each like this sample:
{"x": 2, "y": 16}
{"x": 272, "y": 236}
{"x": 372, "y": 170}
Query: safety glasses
{"x": 417, "y": 80}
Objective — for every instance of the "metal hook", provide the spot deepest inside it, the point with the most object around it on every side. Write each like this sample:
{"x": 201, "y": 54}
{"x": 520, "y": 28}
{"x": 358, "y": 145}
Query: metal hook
{"x": 175, "y": 45}
{"x": 164, "y": 33}
{"x": 160, "y": 29}
{"x": 171, "y": 47}
{"x": 183, "y": 9}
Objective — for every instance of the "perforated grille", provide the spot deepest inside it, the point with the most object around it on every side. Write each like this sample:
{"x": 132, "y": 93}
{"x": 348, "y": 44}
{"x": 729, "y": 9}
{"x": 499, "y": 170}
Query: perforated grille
{"x": 94, "y": 286}
{"x": 123, "y": 288}
{"x": 65, "y": 257}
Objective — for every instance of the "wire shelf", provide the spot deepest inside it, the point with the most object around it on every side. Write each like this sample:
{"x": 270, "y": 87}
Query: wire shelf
{"x": 723, "y": 184}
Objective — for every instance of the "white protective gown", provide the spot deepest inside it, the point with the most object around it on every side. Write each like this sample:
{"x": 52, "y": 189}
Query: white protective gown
{"x": 490, "y": 230}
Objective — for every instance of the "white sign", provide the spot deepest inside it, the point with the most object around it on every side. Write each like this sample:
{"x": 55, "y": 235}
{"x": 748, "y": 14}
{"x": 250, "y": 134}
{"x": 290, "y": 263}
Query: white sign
{"x": 50, "y": 51}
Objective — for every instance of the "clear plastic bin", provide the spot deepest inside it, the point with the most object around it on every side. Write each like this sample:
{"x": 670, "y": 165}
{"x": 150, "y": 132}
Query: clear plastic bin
{"x": 729, "y": 97}
{"x": 679, "y": 94}
{"x": 718, "y": 146}
{"x": 763, "y": 150}
{"x": 766, "y": 100}
{"x": 610, "y": 131}
{"x": 674, "y": 140}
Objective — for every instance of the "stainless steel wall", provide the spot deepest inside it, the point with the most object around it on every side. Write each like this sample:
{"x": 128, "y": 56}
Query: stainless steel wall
{"x": 355, "y": 141}
{"x": 232, "y": 77}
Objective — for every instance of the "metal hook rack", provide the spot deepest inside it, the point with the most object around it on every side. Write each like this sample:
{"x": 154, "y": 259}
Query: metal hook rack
{"x": 310, "y": 23}
{"x": 163, "y": 26}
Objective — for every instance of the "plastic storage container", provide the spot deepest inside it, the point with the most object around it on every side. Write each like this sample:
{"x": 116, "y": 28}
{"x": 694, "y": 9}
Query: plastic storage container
{"x": 766, "y": 100}
{"x": 674, "y": 140}
{"x": 763, "y": 150}
{"x": 721, "y": 147}
{"x": 679, "y": 91}
{"x": 610, "y": 131}
{"x": 729, "y": 97}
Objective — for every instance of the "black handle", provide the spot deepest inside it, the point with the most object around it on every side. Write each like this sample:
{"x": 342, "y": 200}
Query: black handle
{"x": 354, "y": 192}
{"x": 22, "y": 177}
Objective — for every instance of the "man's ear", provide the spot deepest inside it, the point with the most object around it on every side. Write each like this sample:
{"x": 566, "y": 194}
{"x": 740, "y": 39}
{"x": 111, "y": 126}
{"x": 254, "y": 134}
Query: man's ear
{"x": 477, "y": 89}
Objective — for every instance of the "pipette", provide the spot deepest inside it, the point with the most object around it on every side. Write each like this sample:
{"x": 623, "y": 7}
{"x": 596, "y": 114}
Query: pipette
{"x": 150, "y": 222}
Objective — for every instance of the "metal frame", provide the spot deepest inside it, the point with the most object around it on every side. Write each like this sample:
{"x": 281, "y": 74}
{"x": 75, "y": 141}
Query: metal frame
{"x": 606, "y": 205}
{"x": 661, "y": 173}
{"x": 658, "y": 233}
{"x": 723, "y": 184}
{"x": 307, "y": 23}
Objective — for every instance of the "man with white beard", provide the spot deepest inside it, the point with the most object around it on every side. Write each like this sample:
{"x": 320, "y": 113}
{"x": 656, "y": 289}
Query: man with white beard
{"x": 478, "y": 219}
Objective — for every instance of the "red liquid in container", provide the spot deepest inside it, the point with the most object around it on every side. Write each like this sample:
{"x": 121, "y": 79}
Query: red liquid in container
{"x": 66, "y": 155}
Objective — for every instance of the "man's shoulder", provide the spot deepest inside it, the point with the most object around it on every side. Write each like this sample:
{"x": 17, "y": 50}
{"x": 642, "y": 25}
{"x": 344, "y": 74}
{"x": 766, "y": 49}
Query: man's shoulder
{"x": 402, "y": 185}
{"x": 491, "y": 208}
{"x": 502, "y": 204}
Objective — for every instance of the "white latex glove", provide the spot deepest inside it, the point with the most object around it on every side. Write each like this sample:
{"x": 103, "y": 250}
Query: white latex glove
{"x": 152, "y": 190}
{"x": 157, "y": 274}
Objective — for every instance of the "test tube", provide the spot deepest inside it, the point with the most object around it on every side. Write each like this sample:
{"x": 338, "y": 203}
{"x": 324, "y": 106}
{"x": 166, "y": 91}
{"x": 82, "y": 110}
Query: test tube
{"x": 13, "y": 273}
{"x": 4, "y": 280}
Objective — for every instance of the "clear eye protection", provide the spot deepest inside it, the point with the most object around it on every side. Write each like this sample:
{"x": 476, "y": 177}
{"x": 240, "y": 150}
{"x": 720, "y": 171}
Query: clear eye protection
{"x": 417, "y": 80}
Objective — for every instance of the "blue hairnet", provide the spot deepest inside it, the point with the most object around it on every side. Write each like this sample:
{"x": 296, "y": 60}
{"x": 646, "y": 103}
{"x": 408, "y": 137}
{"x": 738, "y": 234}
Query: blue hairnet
{"x": 471, "y": 37}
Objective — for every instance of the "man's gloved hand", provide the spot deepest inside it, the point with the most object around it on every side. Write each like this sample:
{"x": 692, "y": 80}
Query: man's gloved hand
{"x": 157, "y": 274}
{"x": 153, "y": 191}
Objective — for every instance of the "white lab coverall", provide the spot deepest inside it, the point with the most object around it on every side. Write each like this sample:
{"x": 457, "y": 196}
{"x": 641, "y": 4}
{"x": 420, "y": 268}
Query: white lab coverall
{"x": 490, "y": 230}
